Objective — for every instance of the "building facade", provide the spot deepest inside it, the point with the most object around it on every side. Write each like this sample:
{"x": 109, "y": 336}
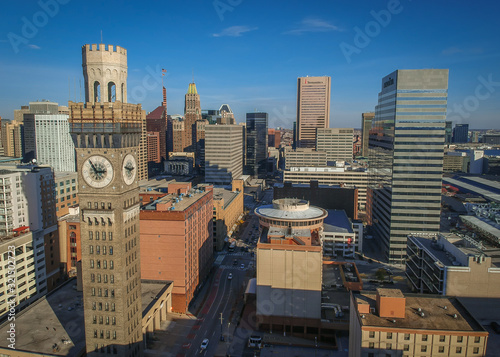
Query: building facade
{"x": 337, "y": 143}
{"x": 12, "y": 138}
{"x": 156, "y": 127}
{"x": 107, "y": 138}
{"x": 388, "y": 323}
{"x": 366, "y": 126}
{"x": 289, "y": 264}
{"x": 192, "y": 113}
{"x": 176, "y": 240}
{"x": 228, "y": 210}
{"x": 66, "y": 190}
{"x": 223, "y": 153}
{"x": 256, "y": 145}
{"x": 313, "y": 108}
{"x": 406, "y": 157}
{"x": 47, "y": 138}
{"x": 304, "y": 157}
{"x": 448, "y": 133}
{"x": 461, "y": 133}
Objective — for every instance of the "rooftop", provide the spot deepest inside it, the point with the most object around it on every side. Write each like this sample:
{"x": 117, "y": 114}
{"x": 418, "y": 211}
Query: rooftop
{"x": 337, "y": 221}
{"x": 458, "y": 181}
{"x": 436, "y": 316}
{"x": 227, "y": 195}
{"x": 290, "y": 209}
{"x": 175, "y": 202}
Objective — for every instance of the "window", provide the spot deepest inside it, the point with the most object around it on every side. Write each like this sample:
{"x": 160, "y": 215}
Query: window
{"x": 389, "y": 335}
{"x": 441, "y": 349}
{"x": 406, "y": 347}
{"x": 442, "y": 338}
{"x": 423, "y": 348}
{"x": 477, "y": 339}
{"x": 110, "y": 250}
{"x": 407, "y": 337}
{"x": 371, "y": 345}
{"x": 475, "y": 350}
{"x": 424, "y": 337}
{"x": 459, "y": 349}
{"x": 91, "y": 235}
{"x": 371, "y": 334}
{"x": 388, "y": 346}
{"x": 460, "y": 339}
{"x": 91, "y": 249}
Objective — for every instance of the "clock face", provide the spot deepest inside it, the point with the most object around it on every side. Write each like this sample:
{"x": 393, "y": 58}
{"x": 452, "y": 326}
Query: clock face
{"x": 129, "y": 169}
{"x": 97, "y": 171}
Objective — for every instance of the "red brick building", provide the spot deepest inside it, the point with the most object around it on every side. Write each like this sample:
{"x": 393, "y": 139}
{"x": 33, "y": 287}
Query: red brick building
{"x": 176, "y": 239}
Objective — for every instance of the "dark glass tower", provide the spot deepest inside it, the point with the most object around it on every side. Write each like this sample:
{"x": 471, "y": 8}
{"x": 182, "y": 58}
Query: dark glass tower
{"x": 256, "y": 158}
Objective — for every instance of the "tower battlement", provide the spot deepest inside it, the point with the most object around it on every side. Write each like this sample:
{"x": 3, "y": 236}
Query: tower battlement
{"x": 101, "y": 52}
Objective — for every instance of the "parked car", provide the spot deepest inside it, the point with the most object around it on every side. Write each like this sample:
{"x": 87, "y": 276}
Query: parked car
{"x": 242, "y": 266}
{"x": 229, "y": 276}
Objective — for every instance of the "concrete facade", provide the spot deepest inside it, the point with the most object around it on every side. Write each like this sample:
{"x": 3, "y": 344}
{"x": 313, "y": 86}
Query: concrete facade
{"x": 337, "y": 143}
{"x": 66, "y": 190}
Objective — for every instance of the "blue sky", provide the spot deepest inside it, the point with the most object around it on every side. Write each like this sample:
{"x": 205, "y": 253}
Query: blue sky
{"x": 249, "y": 53}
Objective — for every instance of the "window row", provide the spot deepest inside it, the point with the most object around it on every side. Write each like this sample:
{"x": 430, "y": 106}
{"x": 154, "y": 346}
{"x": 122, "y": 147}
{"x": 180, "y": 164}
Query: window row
{"x": 98, "y": 249}
{"x": 100, "y": 235}
{"x": 104, "y": 264}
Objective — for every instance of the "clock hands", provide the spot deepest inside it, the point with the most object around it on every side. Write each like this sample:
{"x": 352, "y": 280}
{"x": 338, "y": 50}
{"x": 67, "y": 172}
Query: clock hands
{"x": 99, "y": 170}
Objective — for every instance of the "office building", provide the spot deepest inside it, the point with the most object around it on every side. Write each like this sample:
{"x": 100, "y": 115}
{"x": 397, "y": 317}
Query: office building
{"x": 223, "y": 153}
{"x": 491, "y": 139}
{"x": 226, "y": 115}
{"x": 406, "y": 158}
{"x": 448, "y": 132}
{"x": 192, "y": 113}
{"x": 388, "y": 323}
{"x": 47, "y": 138}
{"x": 289, "y": 265}
{"x": 304, "y": 157}
{"x": 273, "y": 138}
{"x": 12, "y": 138}
{"x": 108, "y": 174}
{"x": 228, "y": 210}
{"x": 313, "y": 108}
{"x": 176, "y": 240}
{"x": 200, "y": 145}
{"x": 456, "y": 162}
{"x": 357, "y": 179}
{"x": 461, "y": 133}
{"x": 461, "y": 266}
{"x": 256, "y": 145}
{"x": 337, "y": 143}
{"x": 66, "y": 191}
{"x": 156, "y": 127}
{"x": 329, "y": 197}
{"x": 366, "y": 126}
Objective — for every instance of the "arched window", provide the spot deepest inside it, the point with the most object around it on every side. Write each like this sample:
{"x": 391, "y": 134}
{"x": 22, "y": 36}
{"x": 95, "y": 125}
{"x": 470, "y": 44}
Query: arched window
{"x": 111, "y": 92}
{"x": 97, "y": 91}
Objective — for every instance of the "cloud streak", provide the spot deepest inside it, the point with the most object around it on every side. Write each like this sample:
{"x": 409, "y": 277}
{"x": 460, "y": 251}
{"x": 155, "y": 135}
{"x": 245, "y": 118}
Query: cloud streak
{"x": 234, "y": 31}
{"x": 34, "y": 47}
{"x": 311, "y": 24}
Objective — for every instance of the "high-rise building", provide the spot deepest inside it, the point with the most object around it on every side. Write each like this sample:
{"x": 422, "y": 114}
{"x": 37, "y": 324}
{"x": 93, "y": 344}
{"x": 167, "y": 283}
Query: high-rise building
{"x": 47, "y": 138}
{"x": 223, "y": 153}
{"x": 200, "y": 144}
{"x": 461, "y": 133}
{"x": 273, "y": 138}
{"x": 12, "y": 138}
{"x": 313, "y": 108}
{"x": 226, "y": 115}
{"x": 192, "y": 113}
{"x": 406, "y": 158}
{"x": 156, "y": 126}
{"x": 256, "y": 148}
{"x": 337, "y": 143}
{"x": 66, "y": 192}
{"x": 107, "y": 138}
{"x": 366, "y": 125}
{"x": 448, "y": 132}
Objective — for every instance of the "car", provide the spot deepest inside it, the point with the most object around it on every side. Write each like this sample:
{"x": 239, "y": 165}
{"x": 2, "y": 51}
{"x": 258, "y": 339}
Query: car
{"x": 242, "y": 266}
{"x": 235, "y": 262}
{"x": 204, "y": 344}
{"x": 229, "y": 276}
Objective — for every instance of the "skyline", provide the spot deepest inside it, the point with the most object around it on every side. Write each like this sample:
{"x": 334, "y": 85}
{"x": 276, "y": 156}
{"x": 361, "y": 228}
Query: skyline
{"x": 249, "y": 55}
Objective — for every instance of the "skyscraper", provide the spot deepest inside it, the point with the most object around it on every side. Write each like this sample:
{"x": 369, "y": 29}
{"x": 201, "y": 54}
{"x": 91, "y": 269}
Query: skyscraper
{"x": 337, "y": 143}
{"x": 366, "y": 125}
{"x": 448, "y": 132}
{"x": 107, "y": 138}
{"x": 256, "y": 150}
{"x": 223, "y": 153}
{"x": 406, "y": 157}
{"x": 47, "y": 138}
{"x": 313, "y": 108}
{"x": 192, "y": 113}
{"x": 461, "y": 133}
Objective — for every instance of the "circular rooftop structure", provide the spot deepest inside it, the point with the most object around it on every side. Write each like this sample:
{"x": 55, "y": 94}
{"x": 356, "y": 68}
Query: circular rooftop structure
{"x": 290, "y": 212}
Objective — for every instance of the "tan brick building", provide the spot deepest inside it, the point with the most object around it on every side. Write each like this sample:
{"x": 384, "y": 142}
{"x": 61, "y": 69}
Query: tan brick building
{"x": 387, "y": 323}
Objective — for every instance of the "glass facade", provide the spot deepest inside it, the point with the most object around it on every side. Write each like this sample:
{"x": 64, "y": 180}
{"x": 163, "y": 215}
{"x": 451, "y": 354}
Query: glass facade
{"x": 406, "y": 157}
{"x": 256, "y": 150}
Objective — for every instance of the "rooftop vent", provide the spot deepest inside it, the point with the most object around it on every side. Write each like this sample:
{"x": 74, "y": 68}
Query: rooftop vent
{"x": 422, "y": 314}
{"x": 363, "y": 316}
{"x": 445, "y": 307}
{"x": 419, "y": 309}
{"x": 455, "y": 316}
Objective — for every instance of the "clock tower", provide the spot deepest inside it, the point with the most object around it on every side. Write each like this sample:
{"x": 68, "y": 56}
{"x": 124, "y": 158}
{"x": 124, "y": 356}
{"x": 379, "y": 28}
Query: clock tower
{"x": 106, "y": 137}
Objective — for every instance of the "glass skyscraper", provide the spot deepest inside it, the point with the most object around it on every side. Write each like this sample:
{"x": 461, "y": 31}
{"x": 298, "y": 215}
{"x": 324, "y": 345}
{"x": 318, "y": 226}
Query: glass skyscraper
{"x": 461, "y": 133}
{"x": 406, "y": 158}
{"x": 256, "y": 151}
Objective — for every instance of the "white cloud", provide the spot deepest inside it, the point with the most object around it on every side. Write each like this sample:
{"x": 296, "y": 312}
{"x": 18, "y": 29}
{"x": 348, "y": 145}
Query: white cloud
{"x": 35, "y": 47}
{"x": 311, "y": 24}
{"x": 234, "y": 31}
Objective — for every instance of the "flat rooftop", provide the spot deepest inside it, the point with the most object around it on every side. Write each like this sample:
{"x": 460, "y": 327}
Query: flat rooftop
{"x": 179, "y": 202}
{"x": 337, "y": 221}
{"x": 272, "y": 211}
{"x": 485, "y": 192}
{"x": 54, "y": 325}
{"x": 227, "y": 195}
{"x": 483, "y": 224}
{"x": 435, "y": 316}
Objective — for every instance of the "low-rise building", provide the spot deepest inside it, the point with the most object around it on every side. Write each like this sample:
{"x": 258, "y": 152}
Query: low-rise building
{"x": 70, "y": 241}
{"x": 228, "y": 210}
{"x": 388, "y": 323}
{"x": 447, "y": 264}
{"x": 339, "y": 237}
